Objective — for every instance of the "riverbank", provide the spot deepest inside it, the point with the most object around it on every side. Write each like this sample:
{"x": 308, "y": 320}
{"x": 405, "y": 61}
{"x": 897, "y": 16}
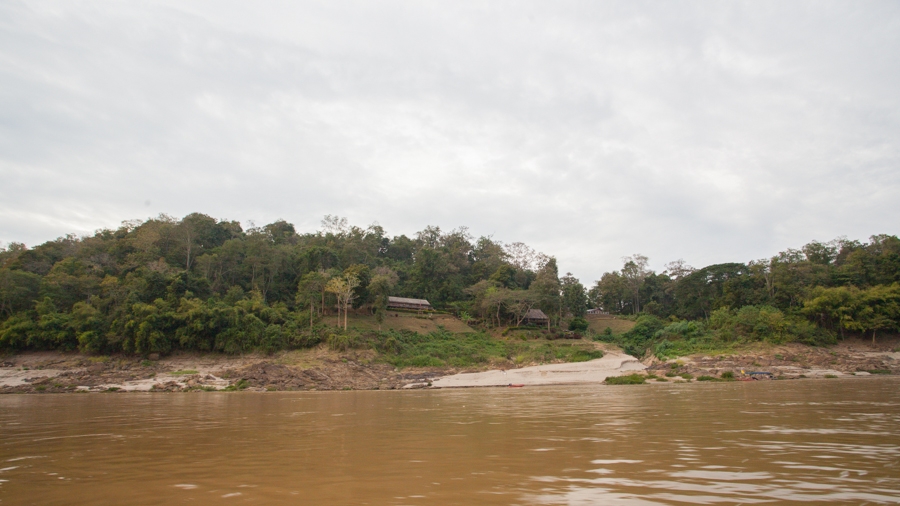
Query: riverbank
{"x": 324, "y": 369}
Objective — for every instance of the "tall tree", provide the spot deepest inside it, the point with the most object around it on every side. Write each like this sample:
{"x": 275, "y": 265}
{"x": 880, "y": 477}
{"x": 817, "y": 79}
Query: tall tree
{"x": 634, "y": 272}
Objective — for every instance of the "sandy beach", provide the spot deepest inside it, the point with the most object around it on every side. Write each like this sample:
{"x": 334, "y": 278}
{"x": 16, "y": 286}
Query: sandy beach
{"x": 592, "y": 371}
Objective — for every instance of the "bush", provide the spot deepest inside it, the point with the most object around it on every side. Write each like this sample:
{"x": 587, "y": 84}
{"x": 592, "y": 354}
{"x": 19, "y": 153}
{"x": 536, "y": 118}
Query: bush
{"x": 341, "y": 341}
{"x": 585, "y": 355}
{"x": 631, "y": 379}
{"x": 728, "y": 375}
{"x": 578, "y": 324}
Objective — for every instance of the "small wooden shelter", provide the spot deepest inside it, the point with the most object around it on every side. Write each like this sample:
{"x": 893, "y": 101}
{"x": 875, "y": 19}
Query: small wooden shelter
{"x": 404, "y": 303}
{"x": 535, "y": 317}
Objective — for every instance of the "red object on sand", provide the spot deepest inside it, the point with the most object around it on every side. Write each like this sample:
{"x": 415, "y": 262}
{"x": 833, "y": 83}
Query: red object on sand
{"x": 516, "y": 386}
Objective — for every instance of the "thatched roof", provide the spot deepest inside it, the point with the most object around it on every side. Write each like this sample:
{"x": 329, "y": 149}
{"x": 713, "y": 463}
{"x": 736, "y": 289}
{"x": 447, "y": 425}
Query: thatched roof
{"x": 535, "y": 314}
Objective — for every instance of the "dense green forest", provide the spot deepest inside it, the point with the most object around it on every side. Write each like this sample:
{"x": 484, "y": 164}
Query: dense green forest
{"x": 203, "y": 284}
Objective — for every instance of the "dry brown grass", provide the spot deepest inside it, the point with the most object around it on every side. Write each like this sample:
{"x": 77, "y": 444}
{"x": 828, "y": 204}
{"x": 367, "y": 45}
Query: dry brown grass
{"x": 599, "y": 323}
{"x": 422, "y": 324}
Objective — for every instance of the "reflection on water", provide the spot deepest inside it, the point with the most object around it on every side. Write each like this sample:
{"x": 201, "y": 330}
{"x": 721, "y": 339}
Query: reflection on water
{"x": 831, "y": 442}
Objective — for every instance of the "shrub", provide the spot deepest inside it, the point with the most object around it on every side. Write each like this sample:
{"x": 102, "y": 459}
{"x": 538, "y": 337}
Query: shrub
{"x": 728, "y": 375}
{"x": 585, "y": 355}
{"x": 707, "y": 378}
{"x": 240, "y": 385}
{"x": 341, "y": 341}
{"x": 631, "y": 379}
{"x": 578, "y": 324}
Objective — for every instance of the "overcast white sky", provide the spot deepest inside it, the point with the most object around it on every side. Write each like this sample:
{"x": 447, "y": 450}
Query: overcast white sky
{"x": 711, "y": 131}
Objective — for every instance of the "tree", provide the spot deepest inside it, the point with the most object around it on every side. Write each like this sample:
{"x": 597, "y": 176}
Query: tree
{"x": 834, "y": 307}
{"x": 342, "y": 287}
{"x": 519, "y": 303}
{"x": 311, "y": 289}
{"x": 546, "y": 287}
{"x": 380, "y": 287}
{"x": 881, "y": 308}
{"x": 634, "y": 271}
{"x": 574, "y": 297}
{"x": 610, "y": 293}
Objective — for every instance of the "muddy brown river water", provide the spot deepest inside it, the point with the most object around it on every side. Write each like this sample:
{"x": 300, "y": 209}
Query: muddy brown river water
{"x": 775, "y": 442}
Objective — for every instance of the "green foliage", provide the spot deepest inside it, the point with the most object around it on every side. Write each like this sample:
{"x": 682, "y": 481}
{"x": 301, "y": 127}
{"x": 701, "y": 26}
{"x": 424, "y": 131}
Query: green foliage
{"x": 640, "y": 338}
{"x": 342, "y": 341}
{"x": 728, "y": 375}
{"x": 766, "y": 323}
{"x": 631, "y": 379}
{"x": 241, "y": 384}
{"x": 203, "y": 284}
{"x": 411, "y": 349}
{"x": 442, "y": 348}
{"x": 578, "y": 324}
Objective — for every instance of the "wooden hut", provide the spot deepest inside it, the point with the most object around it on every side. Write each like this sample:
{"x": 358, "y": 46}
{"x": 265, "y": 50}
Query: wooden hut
{"x": 404, "y": 303}
{"x": 535, "y": 317}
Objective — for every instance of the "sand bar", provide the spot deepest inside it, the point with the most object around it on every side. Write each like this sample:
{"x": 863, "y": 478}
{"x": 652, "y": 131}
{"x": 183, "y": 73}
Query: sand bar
{"x": 592, "y": 371}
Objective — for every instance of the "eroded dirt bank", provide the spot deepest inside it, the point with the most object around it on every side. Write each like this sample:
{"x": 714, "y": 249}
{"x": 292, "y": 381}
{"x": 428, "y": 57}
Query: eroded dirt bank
{"x": 851, "y": 357}
{"x": 318, "y": 369}
{"x": 322, "y": 369}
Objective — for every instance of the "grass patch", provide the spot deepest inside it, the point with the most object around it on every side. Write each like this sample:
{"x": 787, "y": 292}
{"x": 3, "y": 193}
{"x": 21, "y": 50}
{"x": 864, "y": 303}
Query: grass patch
{"x": 183, "y": 372}
{"x": 707, "y": 378}
{"x": 879, "y": 371}
{"x": 687, "y": 376}
{"x": 661, "y": 380}
{"x": 146, "y": 363}
{"x": 728, "y": 376}
{"x": 40, "y": 388}
{"x": 830, "y": 376}
{"x": 444, "y": 348}
{"x": 631, "y": 379}
{"x": 239, "y": 385}
{"x": 616, "y": 326}
{"x": 101, "y": 359}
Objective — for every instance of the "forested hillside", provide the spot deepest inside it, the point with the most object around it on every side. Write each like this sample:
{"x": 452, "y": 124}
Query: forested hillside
{"x": 202, "y": 284}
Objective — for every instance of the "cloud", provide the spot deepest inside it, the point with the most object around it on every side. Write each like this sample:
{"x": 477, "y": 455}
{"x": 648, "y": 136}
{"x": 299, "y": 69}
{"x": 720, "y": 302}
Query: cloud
{"x": 709, "y": 132}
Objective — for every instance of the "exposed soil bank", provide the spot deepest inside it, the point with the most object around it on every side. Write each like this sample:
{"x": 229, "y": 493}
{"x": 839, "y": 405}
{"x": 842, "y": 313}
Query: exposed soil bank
{"x": 322, "y": 369}
{"x": 851, "y": 357}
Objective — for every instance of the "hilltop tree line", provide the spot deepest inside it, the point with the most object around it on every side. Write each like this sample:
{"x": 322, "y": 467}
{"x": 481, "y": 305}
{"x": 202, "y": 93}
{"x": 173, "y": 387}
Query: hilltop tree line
{"x": 198, "y": 283}
{"x": 813, "y": 294}
{"x": 204, "y": 284}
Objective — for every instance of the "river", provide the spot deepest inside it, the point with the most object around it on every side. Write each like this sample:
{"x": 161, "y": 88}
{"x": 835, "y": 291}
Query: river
{"x": 833, "y": 441}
